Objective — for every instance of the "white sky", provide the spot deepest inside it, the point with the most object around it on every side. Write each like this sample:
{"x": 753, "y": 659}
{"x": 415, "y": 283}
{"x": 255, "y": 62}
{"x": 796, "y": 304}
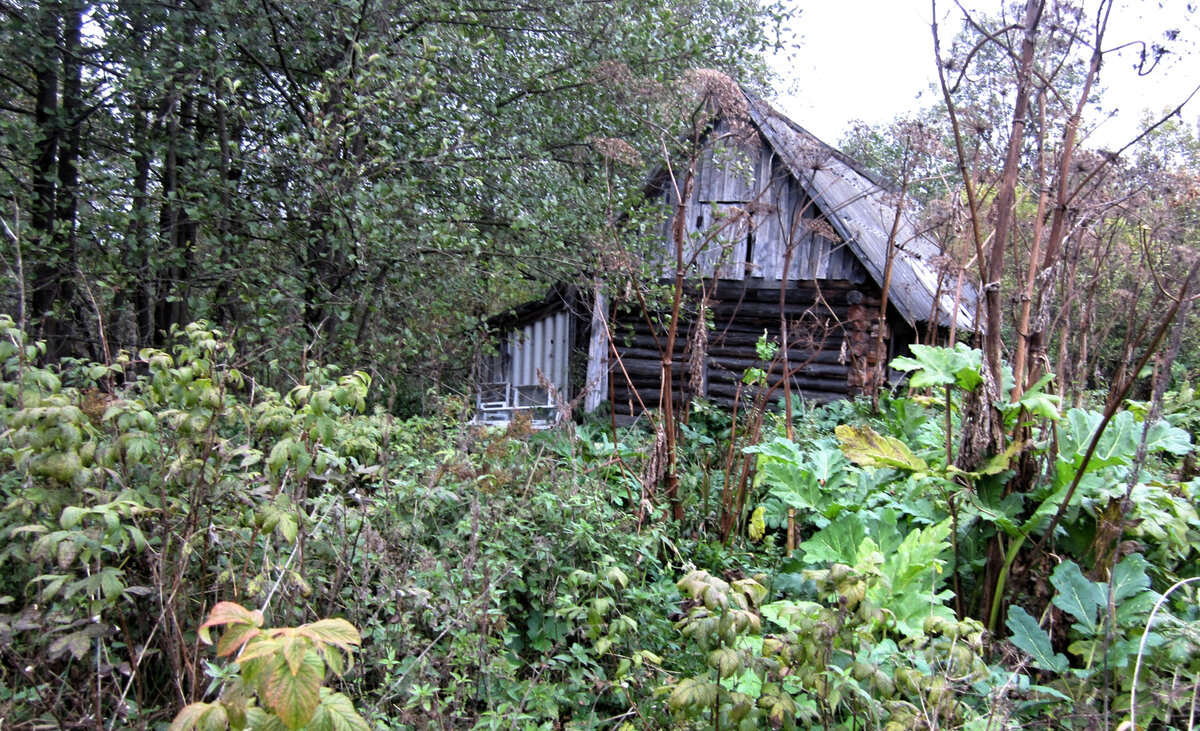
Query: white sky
{"x": 872, "y": 60}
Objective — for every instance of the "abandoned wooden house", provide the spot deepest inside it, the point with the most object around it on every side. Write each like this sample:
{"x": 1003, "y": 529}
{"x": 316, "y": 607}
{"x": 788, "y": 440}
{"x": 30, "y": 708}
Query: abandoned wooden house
{"x": 779, "y": 230}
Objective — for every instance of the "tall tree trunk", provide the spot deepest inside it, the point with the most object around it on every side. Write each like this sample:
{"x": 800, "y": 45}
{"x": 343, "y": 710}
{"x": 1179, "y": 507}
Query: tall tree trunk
{"x": 177, "y": 229}
{"x": 168, "y": 223}
{"x": 135, "y": 233}
{"x": 47, "y": 277}
{"x": 983, "y": 426}
{"x": 67, "y": 197}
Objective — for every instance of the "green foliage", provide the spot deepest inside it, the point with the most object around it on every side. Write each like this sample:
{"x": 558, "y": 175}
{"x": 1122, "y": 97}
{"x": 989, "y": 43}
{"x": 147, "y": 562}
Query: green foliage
{"x": 828, "y": 662}
{"x": 281, "y": 675}
{"x": 114, "y": 502}
{"x": 958, "y": 366}
{"x": 814, "y": 481}
{"x": 1030, "y": 638}
{"x": 503, "y": 578}
{"x": 908, "y": 567}
{"x": 404, "y": 150}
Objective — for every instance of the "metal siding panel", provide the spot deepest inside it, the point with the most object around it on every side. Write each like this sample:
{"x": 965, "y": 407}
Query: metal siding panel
{"x": 552, "y": 339}
{"x": 562, "y": 351}
{"x": 539, "y": 349}
{"x": 520, "y": 356}
{"x": 529, "y": 371}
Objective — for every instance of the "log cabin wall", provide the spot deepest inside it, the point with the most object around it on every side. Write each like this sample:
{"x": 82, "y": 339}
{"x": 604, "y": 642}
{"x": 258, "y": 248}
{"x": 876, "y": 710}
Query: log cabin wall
{"x": 834, "y": 325}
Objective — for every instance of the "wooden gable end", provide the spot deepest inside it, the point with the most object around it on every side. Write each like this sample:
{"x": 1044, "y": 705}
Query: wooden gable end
{"x": 745, "y": 212}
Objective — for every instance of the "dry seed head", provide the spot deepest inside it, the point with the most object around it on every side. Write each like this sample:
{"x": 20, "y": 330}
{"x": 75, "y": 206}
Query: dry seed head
{"x": 617, "y": 150}
{"x": 722, "y": 96}
{"x": 821, "y": 227}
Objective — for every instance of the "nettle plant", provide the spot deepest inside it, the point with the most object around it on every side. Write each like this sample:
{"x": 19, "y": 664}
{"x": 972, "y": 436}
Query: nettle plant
{"x": 279, "y": 678}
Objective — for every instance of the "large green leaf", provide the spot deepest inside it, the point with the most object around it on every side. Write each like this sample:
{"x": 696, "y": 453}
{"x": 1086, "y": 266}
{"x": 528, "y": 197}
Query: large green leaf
{"x": 795, "y": 616}
{"x": 914, "y": 574}
{"x": 1119, "y": 442}
{"x": 837, "y": 542}
{"x": 1077, "y": 595}
{"x": 1028, "y": 636}
{"x": 1035, "y": 401}
{"x": 814, "y": 481}
{"x": 1164, "y": 437}
{"x": 932, "y": 366}
{"x": 1129, "y": 578}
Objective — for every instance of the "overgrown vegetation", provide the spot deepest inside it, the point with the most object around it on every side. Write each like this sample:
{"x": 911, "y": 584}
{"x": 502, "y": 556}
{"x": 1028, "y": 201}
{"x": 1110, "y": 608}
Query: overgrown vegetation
{"x": 995, "y": 543}
{"x": 501, "y": 578}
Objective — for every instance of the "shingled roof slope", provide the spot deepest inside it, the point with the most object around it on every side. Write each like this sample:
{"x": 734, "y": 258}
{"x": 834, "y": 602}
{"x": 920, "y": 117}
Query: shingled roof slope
{"x": 862, "y": 211}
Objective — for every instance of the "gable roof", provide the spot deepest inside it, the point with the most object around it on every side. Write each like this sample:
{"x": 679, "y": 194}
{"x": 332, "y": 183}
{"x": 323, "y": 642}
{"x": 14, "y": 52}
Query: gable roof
{"x": 862, "y": 209}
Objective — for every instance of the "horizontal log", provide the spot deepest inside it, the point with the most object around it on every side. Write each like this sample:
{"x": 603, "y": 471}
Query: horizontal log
{"x": 797, "y": 335}
{"x": 796, "y": 356}
{"x": 741, "y": 365}
{"x": 646, "y": 354}
{"x": 642, "y": 369}
{"x": 625, "y": 404}
{"x": 752, "y": 287}
{"x": 768, "y": 312}
{"x": 765, "y": 316}
{"x": 728, "y": 390}
{"x": 794, "y": 300}
{"x": 830, "y": 351}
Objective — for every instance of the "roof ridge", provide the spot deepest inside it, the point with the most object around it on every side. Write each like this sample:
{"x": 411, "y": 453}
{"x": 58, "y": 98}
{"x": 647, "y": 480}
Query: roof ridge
{"x": 874, "y": 176}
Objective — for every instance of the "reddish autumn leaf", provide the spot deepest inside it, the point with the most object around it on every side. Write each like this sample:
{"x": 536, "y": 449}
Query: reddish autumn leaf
{"x": 229, "y": 613}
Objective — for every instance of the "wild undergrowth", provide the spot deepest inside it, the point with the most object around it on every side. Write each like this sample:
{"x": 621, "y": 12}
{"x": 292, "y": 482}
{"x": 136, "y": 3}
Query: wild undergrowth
{"x": 513, "y": 579}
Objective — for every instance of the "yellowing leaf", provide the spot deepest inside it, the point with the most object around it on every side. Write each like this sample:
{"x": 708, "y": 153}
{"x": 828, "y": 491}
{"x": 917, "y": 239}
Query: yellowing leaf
{"x": 757, "y": 527}
{"x": 336, "y": 713}
{"x": 1001, "y": 462}
{"x": 200, "y": 716}
{"x": 692, "y": 693}
{"x": 725, "y": 660}
{"x": 333, "y": 632}
{"x": 294, "y": 649}
{"x": 867, "y": 447}
{"x": 294, "y": 696}
{"x": 260, "y": 647}
{"x": 234, "y": 637}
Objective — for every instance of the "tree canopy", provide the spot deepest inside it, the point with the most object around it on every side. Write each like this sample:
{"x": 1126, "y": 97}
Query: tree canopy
{"x": 363, "y": 180}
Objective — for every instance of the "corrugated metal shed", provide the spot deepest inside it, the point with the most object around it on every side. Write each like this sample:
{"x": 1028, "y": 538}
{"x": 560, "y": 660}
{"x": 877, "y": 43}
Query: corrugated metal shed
{"x": 861, "y": 209}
